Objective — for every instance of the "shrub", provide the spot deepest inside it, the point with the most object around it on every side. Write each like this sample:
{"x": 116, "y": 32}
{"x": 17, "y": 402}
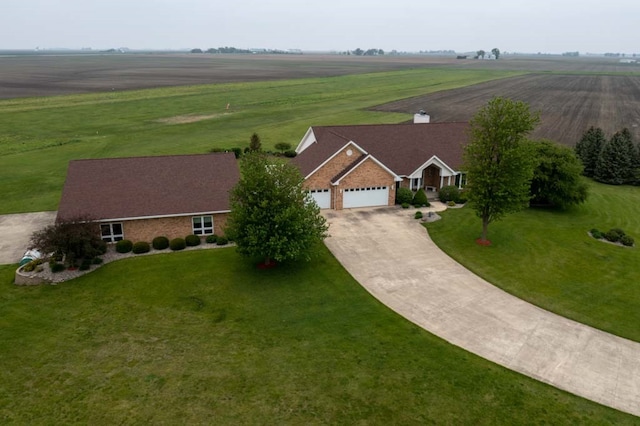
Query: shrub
{"x": 237, "y": 151}
{"x": 404, "y": 195}
{"x": 618, "y": 230}
{"x": 211, "y": 239}
{"x": 124, "y": 246}
{"x": 596, "y": 234}
{"x": 449, "y": 193}
{"x": 192, "y": 240}
{"x": 462, "y": 197}
{"x": 97, "y": 261}
{"x": 627, "y": 240}
{"x": 32, "y": 265}
{"x": 141, "y": 247}
{"x": 405, "y": 205}
{"x": 613, "y": 235}
{"x": 56, "y": 267}
{"x": 160, "y": 243}
{"x": 222, "y": 241}
{"x": 177, "y": 244}
{"x": 451, "y": 203}
{"x": 418, "y": 215}
{"x": 85, "y": 265}
{"x": 290, "y": 153}
{"x": 420, "y": 199}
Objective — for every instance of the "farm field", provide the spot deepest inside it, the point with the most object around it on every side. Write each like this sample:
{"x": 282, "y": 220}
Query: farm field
{"x": 39, "y": 136}
{"x": 568, "y": 103}
{"x": 32, "y": 75}
{"x": 203, "y": 337}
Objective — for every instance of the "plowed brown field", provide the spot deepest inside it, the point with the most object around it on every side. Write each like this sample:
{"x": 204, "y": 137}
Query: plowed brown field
{"x": 568, "y": 104}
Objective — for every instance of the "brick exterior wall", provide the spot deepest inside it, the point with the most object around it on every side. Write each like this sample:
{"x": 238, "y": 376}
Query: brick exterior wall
{"x": 170, "y": 227}
{"x": 366, "y": 174}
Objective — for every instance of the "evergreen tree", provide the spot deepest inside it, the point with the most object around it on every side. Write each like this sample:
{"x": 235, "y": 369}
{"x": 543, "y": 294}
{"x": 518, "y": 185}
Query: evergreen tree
{"x": 616, "y": 164}
{"x": 588, "y": 149}
{"x": 255, "y": 145}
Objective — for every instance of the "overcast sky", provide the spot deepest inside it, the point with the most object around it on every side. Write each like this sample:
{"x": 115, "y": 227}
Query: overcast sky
{"x": 552, "y": 26}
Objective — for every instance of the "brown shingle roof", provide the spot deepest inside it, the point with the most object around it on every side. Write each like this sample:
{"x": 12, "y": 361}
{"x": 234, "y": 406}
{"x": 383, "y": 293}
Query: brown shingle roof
{"x": 116, "y": 188}
{"x": 403, "y": 148}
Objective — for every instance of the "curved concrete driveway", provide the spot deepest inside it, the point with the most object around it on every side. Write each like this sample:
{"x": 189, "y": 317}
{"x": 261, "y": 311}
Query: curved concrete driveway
{"x": 392, "y": 256}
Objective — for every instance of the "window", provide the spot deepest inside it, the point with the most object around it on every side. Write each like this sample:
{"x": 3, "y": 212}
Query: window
{"x": 111, "y": 232}
{"x": 203, "y": 225}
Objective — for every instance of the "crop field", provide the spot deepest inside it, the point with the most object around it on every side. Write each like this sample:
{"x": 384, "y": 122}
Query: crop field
{"x": 568, "y": 103}
{"x": 45, "y": 75}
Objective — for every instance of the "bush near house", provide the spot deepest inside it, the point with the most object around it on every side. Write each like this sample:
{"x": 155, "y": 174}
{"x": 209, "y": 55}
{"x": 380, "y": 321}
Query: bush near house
{"x": 418, "y": 215}
{"x": 449, "y": 193}
{"x": 211, "y": 239}
{"x": 222, "y": 241}
{"x": 160, "y": 243}
{"x": 177, "y": 244}
{"x": 124, "y": 246}
{"x": 404, "y": 195}
{"x": 141, "y": 247}
{"x": 192, "y": 240}
{"x": 420, "y": 199}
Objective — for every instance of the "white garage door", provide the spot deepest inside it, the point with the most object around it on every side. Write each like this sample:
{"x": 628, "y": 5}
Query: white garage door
{"x": 322, "y": 197}
{"x": 366, "y": 197}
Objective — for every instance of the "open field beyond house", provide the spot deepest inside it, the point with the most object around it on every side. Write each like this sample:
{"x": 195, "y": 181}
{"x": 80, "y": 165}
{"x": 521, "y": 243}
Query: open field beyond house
{"x": 30, "y": 75}
{"x": 568, "y": 104}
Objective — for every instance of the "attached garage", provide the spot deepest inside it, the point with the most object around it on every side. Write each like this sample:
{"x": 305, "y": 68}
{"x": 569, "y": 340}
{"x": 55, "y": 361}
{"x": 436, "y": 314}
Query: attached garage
{"x": 322, "y": 197}
{"x": 366, "y": 197}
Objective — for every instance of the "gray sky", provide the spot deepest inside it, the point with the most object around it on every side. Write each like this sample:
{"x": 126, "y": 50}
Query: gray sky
{"x": 405, "y": 25}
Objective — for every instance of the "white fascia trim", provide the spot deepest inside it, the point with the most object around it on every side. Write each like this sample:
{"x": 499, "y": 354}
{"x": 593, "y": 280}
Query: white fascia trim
{"x": 162, "y": 216}
{"x": 396, "y": 178}
{"x": 355, "y": 145}
{"x": 433, "y": 160}
{"x": 306, "y": 141}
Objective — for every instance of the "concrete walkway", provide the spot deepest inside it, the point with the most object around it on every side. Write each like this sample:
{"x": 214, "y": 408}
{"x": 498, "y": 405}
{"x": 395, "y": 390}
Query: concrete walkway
{"x": 15, "y": 233}
{"x": 392, "y": 256}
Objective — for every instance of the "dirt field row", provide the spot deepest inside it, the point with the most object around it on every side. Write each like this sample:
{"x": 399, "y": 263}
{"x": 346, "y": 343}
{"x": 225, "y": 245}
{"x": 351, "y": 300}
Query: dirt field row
{"x": 568, "y": 104}
{"x": 46, "y": 75}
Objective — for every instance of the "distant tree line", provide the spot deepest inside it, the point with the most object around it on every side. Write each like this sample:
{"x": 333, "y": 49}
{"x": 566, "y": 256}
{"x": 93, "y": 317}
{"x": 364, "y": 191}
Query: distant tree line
{"x": 481, "y": 53}
{"x": 571, "y": 54}
{"x": 369, "y": 52}
{"x": 615, "y": 161}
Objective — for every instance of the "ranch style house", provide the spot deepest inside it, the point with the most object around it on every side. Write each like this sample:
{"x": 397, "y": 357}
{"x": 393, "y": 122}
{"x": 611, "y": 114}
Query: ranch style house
{"x": 141, "y": 198}
{"x": 363, "y": 165}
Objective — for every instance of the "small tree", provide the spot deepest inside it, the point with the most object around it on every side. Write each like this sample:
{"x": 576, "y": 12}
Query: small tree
{"x": 420, "y": 198}
{"x": 75, "y": 239}
{"x": 498, "y": 164}
{"x": 496, "y": 52}
{"x": 481, "y": 53}
{"x": 283, "y": 146}
{"x": 588, "y": 149}
{"x": 255, "y": 144}
{"x": 557, "y": 177}
{"x": 616, "y": 163}
{"x": 272, "y": 214}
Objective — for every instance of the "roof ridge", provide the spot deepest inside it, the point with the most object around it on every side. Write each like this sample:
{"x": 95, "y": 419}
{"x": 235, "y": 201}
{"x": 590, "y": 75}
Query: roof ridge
{"x": 351, "y": 165}
{"x": 201, "y": 154}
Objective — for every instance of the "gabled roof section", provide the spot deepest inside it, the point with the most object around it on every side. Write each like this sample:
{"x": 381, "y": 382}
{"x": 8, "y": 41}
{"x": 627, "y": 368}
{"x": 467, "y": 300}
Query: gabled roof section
{"x": 139, "y": 187}
{"x": 309, "y": 167}
{"x": 402, "y": 148}
{"x": 361, "y": 160}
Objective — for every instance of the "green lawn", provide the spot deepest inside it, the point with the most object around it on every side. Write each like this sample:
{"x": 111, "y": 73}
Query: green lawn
{"x": 547, "y": 257}
{"x": 39, "y": 136}
{"x": 203, "y": 337}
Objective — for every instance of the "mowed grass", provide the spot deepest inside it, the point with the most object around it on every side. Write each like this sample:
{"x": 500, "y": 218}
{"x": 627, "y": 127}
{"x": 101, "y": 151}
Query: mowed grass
{"x": 204, "y": 337}
{"x": 547, "y": 257}
{"x": 39, "y": 136}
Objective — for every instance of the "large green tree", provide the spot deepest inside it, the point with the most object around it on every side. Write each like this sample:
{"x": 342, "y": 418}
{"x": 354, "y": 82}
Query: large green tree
{"x": 589, "y": 147}
{"x": 498, "y": 164}
{"x": 557, "y": 179}
{"x": 272, "y": 214}
{"x": 616, "y": 164}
